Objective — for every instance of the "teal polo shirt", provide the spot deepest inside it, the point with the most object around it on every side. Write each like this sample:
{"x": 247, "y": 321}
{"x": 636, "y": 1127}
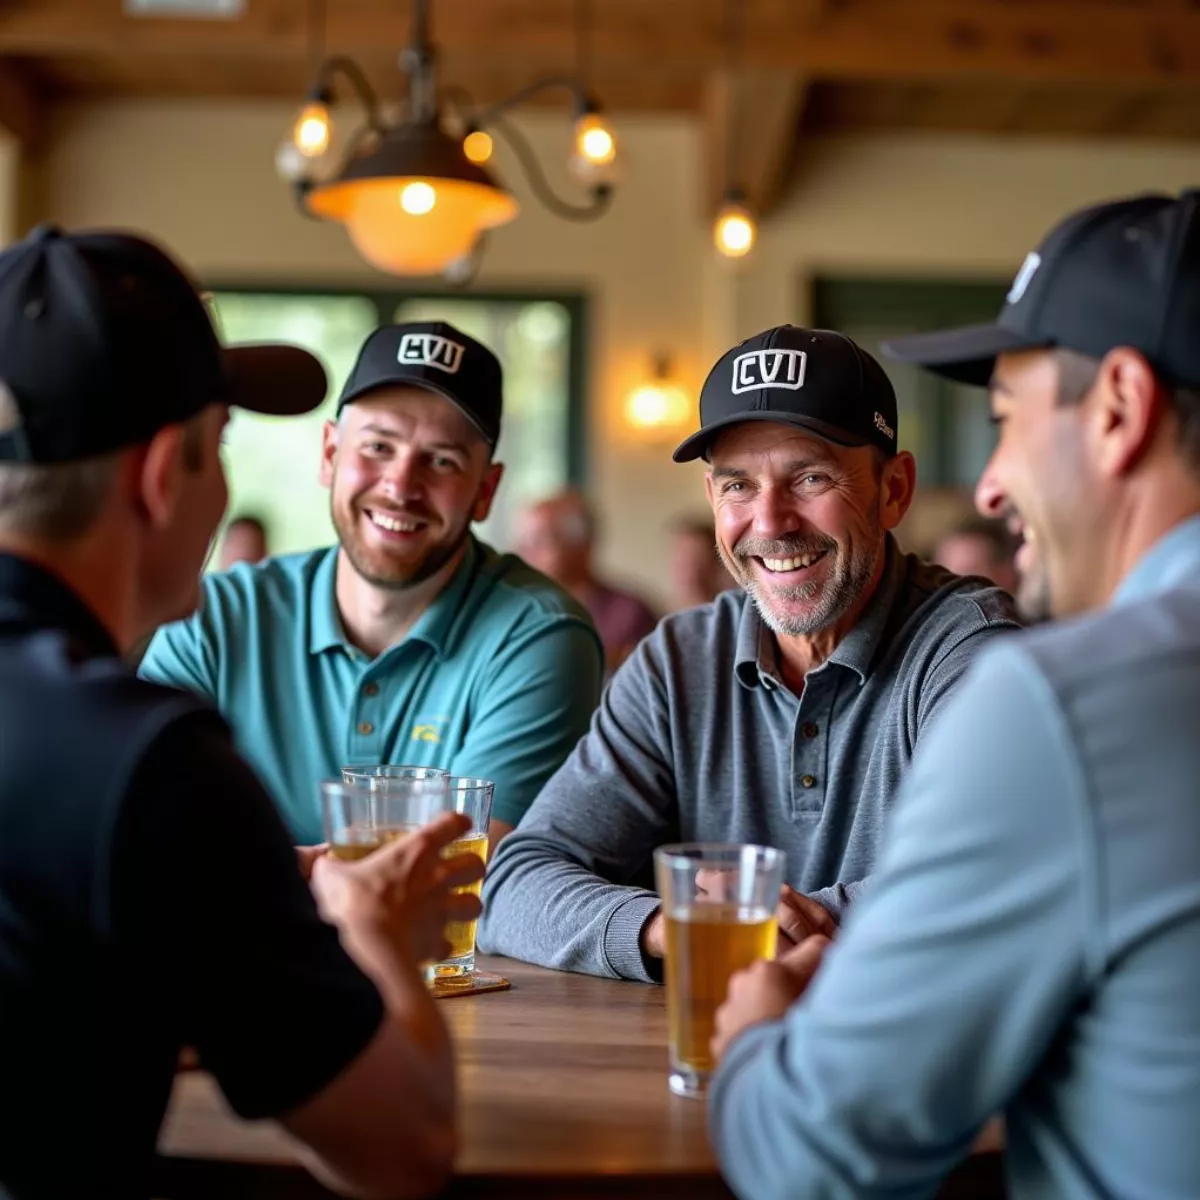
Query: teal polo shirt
{"x": 498, "y": 678}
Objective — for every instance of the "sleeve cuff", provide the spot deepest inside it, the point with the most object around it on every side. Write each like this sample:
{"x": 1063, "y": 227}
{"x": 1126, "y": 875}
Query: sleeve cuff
{"x": 622, "y": 949}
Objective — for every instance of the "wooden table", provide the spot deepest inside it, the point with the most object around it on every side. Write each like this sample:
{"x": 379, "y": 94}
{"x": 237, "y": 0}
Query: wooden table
{"x": 563, "y": 1084}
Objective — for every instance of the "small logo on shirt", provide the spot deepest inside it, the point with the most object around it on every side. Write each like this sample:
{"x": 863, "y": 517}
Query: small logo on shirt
{"x": 431, "y": 350}
{"x": 883, "y": 426}
{"x": 769, "y": 369}
{"x": 426, "y": 733}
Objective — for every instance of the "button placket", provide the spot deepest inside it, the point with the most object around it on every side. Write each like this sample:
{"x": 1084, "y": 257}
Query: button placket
{"x": 809, "y": 768}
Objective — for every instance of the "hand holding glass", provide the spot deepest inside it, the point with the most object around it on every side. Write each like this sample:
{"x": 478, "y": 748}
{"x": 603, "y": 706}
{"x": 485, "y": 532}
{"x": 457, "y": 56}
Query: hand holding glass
{"x": 719, "y": 912}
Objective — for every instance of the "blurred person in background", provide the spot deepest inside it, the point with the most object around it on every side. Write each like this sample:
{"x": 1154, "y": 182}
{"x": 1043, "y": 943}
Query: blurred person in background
{"x": 982, "y": 546}
{"x": 245, "y": 541}
{"x": 698, "y": 575}
{"x": 557, "y": 535}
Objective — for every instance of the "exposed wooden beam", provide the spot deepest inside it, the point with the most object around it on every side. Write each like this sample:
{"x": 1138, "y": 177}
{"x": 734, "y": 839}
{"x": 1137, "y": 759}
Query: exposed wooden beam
{"x": 836, "y": 39}
{"x": 20, "y": 110}
{"x": 751, "y": 121}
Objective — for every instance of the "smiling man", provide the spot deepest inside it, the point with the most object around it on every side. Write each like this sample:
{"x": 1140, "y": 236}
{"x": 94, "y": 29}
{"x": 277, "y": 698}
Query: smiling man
{"x": 410, "y": 641}
{"x": 782, "y": 713}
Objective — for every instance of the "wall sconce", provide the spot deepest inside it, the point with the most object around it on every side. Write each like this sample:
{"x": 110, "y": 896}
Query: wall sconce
{"x": 659, "y": 405}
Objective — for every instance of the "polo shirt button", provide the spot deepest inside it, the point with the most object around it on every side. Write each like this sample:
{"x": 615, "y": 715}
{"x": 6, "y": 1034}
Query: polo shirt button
{"x": 809, "y": 781}
{"x": 371, "y": 689}
{"x": 810, "y": 730}
{"x": 365, "y": 727}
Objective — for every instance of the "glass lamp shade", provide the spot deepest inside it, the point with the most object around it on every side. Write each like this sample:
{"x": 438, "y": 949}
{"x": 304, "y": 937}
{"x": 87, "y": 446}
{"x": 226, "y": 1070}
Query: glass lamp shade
{"x": 383, "y": 199}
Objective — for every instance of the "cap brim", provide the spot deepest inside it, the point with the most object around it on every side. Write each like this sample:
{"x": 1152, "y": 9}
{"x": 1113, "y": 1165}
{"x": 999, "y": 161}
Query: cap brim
{"x": 427, "y": 385}
{"x": 698, "y": 444}
{"x": 282, "y": 381}
{"x": 967, "y": 355}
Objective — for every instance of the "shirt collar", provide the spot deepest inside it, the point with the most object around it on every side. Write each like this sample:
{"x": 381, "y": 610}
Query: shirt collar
{"x": 32, "y": 596}
{"x": 755, "y": 657}
{"x": 1173, "y": 560}
{"x": 434, "y": 626}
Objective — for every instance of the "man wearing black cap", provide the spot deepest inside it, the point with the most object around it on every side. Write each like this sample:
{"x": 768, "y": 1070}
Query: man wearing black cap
{"x": 149, "y": 895}
{"x": 410, "y": 641}
{"x": 784, "y": 712}
{"x": 1031, "y": 942}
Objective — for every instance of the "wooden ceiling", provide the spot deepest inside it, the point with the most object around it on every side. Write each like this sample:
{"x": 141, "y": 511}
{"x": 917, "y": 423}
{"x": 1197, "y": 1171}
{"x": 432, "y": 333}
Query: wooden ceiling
{"x": 1113, "y": 68}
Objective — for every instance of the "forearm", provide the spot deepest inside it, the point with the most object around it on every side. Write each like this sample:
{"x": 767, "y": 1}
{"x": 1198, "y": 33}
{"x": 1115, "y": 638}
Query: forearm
{"x": 545, "y": 909}
{"x": 393, "y": 969}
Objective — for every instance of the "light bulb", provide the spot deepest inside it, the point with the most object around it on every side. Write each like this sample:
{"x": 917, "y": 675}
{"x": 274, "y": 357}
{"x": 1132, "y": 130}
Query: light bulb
{"x": 734, "y": 231}
{"x": 418, "y": 198}
{"x": 477, "y": 146}
{"x": 594, "y": 141}
{"x": 311, "y": 131}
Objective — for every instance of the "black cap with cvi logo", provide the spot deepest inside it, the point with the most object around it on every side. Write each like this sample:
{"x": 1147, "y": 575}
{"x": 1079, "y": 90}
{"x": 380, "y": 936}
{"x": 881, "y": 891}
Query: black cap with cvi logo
{"x": 436, "y": 356}
{"x": 813, "y": 378}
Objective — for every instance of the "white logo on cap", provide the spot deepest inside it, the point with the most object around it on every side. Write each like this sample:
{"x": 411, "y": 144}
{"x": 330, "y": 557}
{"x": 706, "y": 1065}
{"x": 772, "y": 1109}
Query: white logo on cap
{"x": 1024, "y": 275}
{"x": 431, "y": 350}
{"x": 883, "y": 427}
{"x": 769, "y": 369}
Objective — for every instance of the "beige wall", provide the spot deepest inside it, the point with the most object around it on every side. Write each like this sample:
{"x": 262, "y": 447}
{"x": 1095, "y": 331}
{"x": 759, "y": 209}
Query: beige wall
{"x": 201, "y": 178}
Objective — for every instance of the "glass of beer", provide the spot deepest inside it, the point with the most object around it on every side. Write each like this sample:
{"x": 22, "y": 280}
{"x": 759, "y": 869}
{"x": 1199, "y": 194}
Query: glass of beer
{"x": 363, "y": 813}
{"x": 718, "y": 905}
{"x": 365, "y": 772}
{"x": 474, "y": 798}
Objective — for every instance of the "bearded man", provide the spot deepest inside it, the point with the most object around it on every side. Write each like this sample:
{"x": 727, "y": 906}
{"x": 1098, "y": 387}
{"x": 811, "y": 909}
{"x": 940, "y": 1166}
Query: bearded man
{"x": 410, "y": 641}
{"x": 783, "y": 713}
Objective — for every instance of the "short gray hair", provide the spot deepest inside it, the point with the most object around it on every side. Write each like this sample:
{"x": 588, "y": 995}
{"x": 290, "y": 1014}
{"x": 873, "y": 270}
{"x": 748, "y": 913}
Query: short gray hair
{"x": 57, "y": 502}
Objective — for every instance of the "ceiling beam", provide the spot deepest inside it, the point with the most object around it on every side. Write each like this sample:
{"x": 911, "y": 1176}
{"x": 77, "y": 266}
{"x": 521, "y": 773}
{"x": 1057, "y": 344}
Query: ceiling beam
{"x": 751, "y": 121}
{"x": 1063, "y": 40}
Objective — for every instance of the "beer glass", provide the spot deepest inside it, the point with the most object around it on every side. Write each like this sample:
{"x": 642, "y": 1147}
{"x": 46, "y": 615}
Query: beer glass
{"x": 718, "y": 906}
{"x": 474, "y": 798}
{"x": 365, "y": 772}
{"x": 362, "y": 814}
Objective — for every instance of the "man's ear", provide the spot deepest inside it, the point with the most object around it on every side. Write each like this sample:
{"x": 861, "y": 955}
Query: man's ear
{"x": 329, "y": 445}
{"x": 1122, "y": 411}
{"x": 897, "y": 485}
{"x": 487, "y": 491}
{"x": 158, "y": 475}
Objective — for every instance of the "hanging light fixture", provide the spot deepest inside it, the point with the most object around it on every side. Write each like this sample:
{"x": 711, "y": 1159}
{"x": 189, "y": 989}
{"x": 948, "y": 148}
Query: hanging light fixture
{"x": 660, "y": 404}
{"x": 416, "y": 198}
{"x": 734, "y": 230}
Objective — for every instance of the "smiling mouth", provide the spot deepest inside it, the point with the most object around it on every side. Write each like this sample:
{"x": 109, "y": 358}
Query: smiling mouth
{"x": 390, "y": 523}
{"x": 785, "y": 566}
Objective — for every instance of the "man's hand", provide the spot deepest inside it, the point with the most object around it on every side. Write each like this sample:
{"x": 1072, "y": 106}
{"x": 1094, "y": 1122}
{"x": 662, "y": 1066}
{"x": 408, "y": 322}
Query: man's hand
{"x": 766, "y": 990}
{"x": 403, "y": 892}
{"x": 653, "y": 938}
{"x": 307, "y": 855}
{"x": 801, "y": 917}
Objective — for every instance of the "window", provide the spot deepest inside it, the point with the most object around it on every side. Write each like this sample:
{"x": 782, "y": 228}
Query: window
{"x": 273, "y": 462}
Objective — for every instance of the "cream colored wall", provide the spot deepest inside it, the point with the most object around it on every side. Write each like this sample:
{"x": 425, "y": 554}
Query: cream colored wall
{"x": 200, "y": 177}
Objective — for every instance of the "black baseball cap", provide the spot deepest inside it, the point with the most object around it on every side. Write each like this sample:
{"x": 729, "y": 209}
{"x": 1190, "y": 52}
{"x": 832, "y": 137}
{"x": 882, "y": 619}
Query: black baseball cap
{"x": 104, "y": 340}
{"x": 1125, "y": 273}
{"x": 438, "y": 357}
{"x": 814, "y": 378}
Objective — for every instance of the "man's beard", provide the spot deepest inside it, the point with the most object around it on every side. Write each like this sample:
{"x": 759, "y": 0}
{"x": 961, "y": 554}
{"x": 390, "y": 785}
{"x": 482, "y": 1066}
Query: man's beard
{"x": 849, "y": 577}
{"x": 1033, "y": 597}
{"x": 398, "y": 577}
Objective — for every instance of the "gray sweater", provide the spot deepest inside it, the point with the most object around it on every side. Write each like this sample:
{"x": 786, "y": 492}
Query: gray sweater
{"x": 698, "y": 739}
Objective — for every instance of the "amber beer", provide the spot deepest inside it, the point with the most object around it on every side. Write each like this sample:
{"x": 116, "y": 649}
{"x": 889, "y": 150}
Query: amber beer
{"x": 359, "y": 841}
{"x": 718, "y": 906}
{"x": 706, "y": 945}
{"x": 461, "y": 934}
